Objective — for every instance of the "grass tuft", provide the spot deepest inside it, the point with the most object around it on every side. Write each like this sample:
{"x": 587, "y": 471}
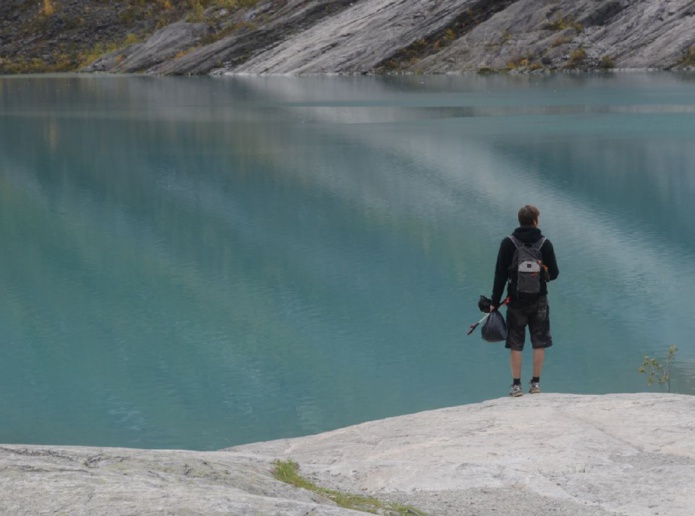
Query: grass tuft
{"x": 563, "y": 23}
{"x": 606, "y": 63}
{"x": 576, "y": 58}
{"x": 48, "y": 8}
{"x": 287, "y": 471}
{"x": 688, "y": 57}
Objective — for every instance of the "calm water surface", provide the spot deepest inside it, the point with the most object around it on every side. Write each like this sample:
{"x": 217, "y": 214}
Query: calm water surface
{"x": 198, "y": 262}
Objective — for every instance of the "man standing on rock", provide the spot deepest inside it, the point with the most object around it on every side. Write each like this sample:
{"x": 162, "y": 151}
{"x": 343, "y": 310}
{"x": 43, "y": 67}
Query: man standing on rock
{"x": 526, "y": 263}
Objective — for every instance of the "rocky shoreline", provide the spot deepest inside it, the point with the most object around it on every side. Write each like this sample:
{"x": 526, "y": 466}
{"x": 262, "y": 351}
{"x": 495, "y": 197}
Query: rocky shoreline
{"x": 299, "y": 37}
{"x": 549, "y": 453}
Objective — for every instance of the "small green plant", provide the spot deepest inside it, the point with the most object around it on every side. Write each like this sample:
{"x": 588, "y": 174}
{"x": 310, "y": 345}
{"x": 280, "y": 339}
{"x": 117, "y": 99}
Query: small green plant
{"x": 197, "y": 13}
{"x": 99, "y": 50}
{"x": 659, "y": 372}
{"x": 576, "y": 58}
{"x": 561, "y": 40}
{"x": 563, "y": 23}
{"x": 288, "y": 471}
{"x": 48, "y": 8}
{"x": 130, "y": 39}
{"x": 688, "y": 58}
{"x": 606, "y": 63}
{"x": 520, "y": 62}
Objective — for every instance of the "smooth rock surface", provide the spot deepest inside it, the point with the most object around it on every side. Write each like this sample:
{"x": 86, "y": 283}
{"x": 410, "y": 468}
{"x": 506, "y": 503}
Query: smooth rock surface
{"x": 455, "y": 36}
{"x": 164, "y": 45}
{"x": 299, "y": 37}
{"x": 637, "y": 34}
{"x": 617, "y": 454}
{"x": 631, "y": 454}
{"x": 91, "y": 481}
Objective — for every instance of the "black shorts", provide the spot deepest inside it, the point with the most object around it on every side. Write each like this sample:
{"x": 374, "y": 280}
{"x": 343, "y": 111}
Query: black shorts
{"x": 536, "y": 316}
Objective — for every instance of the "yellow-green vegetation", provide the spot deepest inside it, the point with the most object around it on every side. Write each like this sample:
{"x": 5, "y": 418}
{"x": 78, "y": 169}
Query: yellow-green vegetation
{"x": 129, "y": 22}
{"x": 688, "y": 58}
{"x": 606, "y": 62}
{"x": 657, "y": 371}
{"x": 101, "y": 49}
{"x": 14, "y": 66}
{"x": 561, "y": 40}
{"x": 288, "y": 471}
{"x": 576, "y": 59}
{"x": 197, "y": 13}
{"x": 131, "y": 39}
{"x": 48, "y": 8}
{"x": 522, "y": 61}
{"x": 563, "y": 23}
{"x": 517, "y": 62}
{"x": 198, "y": 7}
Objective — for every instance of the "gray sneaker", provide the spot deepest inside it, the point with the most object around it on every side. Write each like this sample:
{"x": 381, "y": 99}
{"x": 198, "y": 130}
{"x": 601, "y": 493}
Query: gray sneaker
{"x": 516, "y": 391}
{"x": 535, "y": 388}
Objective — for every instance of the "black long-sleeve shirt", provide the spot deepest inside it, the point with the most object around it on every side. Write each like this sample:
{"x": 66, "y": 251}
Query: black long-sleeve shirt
{"x": 528, "y": 235}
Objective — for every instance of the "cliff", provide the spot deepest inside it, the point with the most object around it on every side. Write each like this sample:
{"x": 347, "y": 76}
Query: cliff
{"x": 548, "y": 453}
{"x": 345, "y": 37}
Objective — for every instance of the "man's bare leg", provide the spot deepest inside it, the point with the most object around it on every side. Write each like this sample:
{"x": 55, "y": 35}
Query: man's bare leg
{"x": 515, "y": 363}
{"x": 538, "y": 357}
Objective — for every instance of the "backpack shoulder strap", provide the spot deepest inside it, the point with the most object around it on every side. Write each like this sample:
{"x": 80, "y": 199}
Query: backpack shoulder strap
{"x": 517, "y": 243}
{"x": 539, "y": 243}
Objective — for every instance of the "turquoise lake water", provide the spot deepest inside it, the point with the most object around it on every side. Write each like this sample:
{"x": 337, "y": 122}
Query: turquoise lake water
{"x": 204, "y": 262}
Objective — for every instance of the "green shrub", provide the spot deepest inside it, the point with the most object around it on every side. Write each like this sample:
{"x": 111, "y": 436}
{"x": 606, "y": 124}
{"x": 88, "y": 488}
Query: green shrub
{"x": 130, "y": 40}
{"x": 561, "y": 40}
{"x": 688, "y": 58}
{"x": 659, "y": 372}
{"x": 48, "y": 8}
{"x": 197, "y": 13}
{"x": 520, "y": 62}
{"x": 576, "y": 59}
{"x": 606, "y": 63}
{"x": 563, "y": 23}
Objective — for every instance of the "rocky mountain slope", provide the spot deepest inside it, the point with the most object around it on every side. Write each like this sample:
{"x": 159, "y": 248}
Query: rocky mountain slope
{"x": 343, "y": 36}
{"x": 542, "y": 454}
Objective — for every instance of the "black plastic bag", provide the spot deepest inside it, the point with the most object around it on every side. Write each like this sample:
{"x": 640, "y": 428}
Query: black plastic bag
{"x": 494, "y": 329}
{"x": 484, "y": 304}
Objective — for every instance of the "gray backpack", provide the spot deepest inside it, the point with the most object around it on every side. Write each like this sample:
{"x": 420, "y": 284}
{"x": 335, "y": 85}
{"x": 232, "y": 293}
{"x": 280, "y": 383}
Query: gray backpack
{"x": 526, "y": 269}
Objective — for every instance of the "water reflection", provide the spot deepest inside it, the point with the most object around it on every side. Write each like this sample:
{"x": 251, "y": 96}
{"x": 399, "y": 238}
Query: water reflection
{"x": 203, "y": 262}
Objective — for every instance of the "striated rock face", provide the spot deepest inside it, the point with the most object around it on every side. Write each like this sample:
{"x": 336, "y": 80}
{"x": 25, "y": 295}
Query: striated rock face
{"x": 627, "y": 34}
{"x": 346, "y": 36}
{"x": 454, "y": 36}
{"x": 548, "y": 453}
{"x": 165, "y": 45}
{"x": 358, "y": 39}
{"x": 283, "y": 21}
